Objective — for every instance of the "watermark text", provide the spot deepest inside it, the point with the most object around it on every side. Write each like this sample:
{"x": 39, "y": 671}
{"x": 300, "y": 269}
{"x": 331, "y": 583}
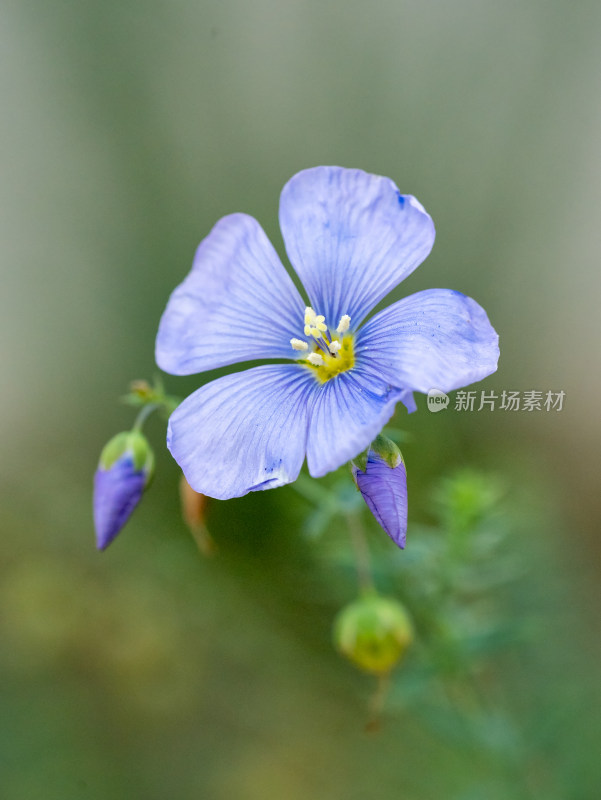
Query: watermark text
{"x": 473, "y": 400}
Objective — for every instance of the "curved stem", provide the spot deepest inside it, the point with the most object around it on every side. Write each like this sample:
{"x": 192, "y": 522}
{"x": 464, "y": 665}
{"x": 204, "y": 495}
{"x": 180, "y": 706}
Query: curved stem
{"x": 145, "y": 412}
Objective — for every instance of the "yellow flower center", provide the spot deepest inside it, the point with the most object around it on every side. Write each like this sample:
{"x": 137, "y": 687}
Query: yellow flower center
{"x": 335, "y": 364}
{"x": 332, "y": 352}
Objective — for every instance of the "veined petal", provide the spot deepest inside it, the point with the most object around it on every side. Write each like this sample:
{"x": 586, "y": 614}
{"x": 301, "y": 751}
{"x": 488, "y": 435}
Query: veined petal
{"x": 243, "y": 432}
{"x": 435, "y": 339}
{"x": 351, "y": 237}
{"x": 384, "y": 489}
{"x": 237, "y": 304}
{"x": 348, "y": 412}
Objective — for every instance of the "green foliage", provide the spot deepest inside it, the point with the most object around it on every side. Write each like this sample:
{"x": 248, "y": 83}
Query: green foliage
{"x": 455, "y": 580}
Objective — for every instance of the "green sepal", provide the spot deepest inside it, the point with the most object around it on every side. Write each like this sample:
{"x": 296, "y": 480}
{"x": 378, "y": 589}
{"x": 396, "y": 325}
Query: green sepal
{"x": 133, "y": 443}
{"x": 387, "y": 450}
{"x": 113, "y": 450}
{"x": 360, "y": 462}
{"x": 141, "y": 451}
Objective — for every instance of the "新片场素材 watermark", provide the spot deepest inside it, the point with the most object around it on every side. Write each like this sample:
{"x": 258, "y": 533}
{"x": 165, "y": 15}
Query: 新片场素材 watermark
{"x": 530, "y": 400}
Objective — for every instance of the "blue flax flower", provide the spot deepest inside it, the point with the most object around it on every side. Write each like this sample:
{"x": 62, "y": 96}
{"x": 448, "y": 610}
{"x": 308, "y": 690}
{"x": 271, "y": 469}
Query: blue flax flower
{"x": 351, "y": 237}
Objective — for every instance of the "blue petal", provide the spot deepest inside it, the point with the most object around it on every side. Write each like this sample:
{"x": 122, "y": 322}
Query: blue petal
{"x": 348, "y": 413}
{"x": 385, "y": 492}
{"x": 237, "y": 304}
{"x": 351, "y": 237}
{"x": 117, "y": 491}
{"x": 243, "y": 432}
{"x": 408, "y": 400}
{"x": 436, "y": 339}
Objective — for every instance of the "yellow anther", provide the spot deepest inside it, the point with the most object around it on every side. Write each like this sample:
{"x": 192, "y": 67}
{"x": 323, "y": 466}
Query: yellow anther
{"x": 344, "y": 324}
{"x": 298, "y": 344}
{"x": 309, "y": 315}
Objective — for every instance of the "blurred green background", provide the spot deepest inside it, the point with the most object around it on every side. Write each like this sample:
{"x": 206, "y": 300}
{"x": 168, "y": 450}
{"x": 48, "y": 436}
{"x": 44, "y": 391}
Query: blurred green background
{"x": 128, "y": 128}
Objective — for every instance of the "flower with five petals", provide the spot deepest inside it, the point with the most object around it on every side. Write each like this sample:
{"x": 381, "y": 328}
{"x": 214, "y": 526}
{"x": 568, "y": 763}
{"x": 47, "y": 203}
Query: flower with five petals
{"x": 351, "y": 237}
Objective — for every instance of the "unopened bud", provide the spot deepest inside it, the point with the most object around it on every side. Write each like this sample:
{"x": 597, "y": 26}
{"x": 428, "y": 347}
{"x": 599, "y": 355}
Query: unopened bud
{"x": 374, "y": 633}
{"x": 124, "y": 471}
{"x": 381, "y": 477}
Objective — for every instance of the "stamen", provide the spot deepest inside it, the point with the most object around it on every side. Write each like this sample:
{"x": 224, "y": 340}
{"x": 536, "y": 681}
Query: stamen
{"x": 319, "y": 323}
{"x": 315, "y": 359}
{"x": 309, "y": 315}
{"x": 330, "y": 356}
{"x": 315, "y": 330}
{"x": 344, "y": 324}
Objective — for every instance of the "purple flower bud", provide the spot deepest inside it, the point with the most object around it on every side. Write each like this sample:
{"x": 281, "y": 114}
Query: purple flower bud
{"x": 124, "y": 471}
{"x": 381, "y": 478}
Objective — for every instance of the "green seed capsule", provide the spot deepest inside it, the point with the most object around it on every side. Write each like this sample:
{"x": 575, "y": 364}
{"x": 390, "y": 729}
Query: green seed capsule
{"x": 374, "y": 633}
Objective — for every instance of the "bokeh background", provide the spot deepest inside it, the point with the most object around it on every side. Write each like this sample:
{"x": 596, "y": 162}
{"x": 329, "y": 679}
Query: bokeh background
{"x": 128, "y": 128}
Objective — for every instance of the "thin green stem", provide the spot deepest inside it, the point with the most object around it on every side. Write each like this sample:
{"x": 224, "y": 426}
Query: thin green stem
{"x": 359, "y": 542}
{"x": 376, "y": 704}
{"x": 145, "y": 412}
